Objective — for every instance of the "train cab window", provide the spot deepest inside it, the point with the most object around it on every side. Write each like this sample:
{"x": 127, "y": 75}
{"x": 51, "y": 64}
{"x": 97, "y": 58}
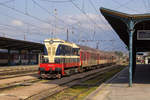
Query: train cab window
{"x": 63, "y": 50}
{"x": 67, "y": 50}
{"x": 75, "y": 51}
{"x": 45, "y": 51}
{"x": 60, "y": 50}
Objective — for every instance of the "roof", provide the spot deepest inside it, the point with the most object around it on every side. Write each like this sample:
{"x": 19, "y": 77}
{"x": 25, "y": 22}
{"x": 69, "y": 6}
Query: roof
{"x": 89, "y": 49}
{"x": 118, "y": 21}
{"x": 57, "y": 40}
{"x": 13, "y": 44}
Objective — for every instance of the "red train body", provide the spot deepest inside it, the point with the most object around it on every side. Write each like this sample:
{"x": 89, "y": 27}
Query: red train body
{"x": 64, "y": 58}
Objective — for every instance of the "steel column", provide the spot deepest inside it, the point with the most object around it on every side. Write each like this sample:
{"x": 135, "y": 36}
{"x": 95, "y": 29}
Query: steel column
{"x": 134, "y": 61}
{"x": 29, "y": 56}
{"x": 9, "y": 57}
{"x": 131, "y": 31}
{"x": 20, "y": 60}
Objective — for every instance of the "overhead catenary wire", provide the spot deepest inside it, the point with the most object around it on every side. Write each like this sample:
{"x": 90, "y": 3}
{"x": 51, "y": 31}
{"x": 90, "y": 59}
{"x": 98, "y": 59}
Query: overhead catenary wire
{"x": 7, "y": 1}
{"x": 145, "y": 5}
{"x": 68, "y": 25}
{"x": 126, "y": 6}
{"x": 122, "y": 5}
{"x": 29, "y": 15}
{"x": 10, "y": 27}
{"x": 84, "y": 13}
{"x": 46, "y": 10}
{"x": 58, "y": 1}
{"x": 100, "y": 16}
{"x": 148, "y": 5}
{"x": 14, "y": 18}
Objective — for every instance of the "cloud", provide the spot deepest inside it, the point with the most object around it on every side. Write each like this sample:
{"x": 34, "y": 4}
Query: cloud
{"x": 85, "y": 22}
{"x": 17, "y": 23}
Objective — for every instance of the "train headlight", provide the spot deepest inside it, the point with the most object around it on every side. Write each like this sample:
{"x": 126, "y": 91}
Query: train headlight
{"x": 51, "y": 41}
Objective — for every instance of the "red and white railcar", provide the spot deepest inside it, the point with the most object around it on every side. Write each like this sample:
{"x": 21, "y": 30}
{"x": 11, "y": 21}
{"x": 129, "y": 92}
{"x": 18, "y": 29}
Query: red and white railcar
{"x": 64, "y": 58}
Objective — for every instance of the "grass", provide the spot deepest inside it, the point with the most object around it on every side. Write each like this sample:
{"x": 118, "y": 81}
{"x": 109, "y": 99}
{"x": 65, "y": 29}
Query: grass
{"x": 82, "y": 91}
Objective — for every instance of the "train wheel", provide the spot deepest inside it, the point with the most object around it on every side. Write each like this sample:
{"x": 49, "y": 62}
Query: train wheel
{"x": 80, "y": 70}
{"x": 59, "y": 76}
{"x": 42, "y": 75}
{"x": 39, "y": 77}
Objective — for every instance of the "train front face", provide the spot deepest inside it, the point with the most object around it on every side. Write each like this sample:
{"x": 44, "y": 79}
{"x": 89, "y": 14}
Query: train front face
{"x": 50, "y": 66}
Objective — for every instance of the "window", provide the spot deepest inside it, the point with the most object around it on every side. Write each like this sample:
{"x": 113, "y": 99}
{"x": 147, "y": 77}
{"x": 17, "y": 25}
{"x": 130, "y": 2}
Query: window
{"x": 58, "y": 60}
{"x": 75, "y": 51}
{"x": 45, "y": 51}
{"x": 60, "y": 50}
{"x": 64, "y": 50}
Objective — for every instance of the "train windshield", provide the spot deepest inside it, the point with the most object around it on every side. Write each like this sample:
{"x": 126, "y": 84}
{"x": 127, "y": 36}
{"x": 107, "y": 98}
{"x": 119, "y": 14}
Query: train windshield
{"x": 67, "y": 50}
{"x": 60, "y": 50}
{"x": 45, "y": 51}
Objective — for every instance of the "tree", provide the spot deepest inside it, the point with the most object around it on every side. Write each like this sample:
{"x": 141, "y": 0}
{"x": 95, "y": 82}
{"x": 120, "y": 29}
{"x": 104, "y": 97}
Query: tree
{"x": 119, "y": 53}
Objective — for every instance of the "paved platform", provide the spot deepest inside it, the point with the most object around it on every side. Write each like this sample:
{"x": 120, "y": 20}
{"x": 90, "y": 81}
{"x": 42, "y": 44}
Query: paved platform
{"x": 18, "y": 67}
{"x": 117, "y": 88}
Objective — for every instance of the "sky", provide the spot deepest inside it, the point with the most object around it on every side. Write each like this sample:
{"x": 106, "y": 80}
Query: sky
{"x": 37, "y": 20}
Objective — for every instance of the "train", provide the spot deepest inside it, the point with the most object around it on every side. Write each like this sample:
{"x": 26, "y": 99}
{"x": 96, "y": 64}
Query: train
{"x": 17, "y": 59}
{"x": 62, "y": 58}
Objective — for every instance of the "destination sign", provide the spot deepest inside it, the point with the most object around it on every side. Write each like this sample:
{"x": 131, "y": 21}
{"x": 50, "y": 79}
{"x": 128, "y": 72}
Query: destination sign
{"x": 143, "y": 34}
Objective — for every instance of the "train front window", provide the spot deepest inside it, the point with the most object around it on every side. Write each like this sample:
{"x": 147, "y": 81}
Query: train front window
{"x": 45, "y": 51}
{"x": 60, "y": 50}
{"x": 67, "y": 50}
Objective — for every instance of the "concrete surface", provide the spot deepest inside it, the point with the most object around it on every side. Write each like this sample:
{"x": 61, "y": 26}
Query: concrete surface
{"x": 117, "y": 87}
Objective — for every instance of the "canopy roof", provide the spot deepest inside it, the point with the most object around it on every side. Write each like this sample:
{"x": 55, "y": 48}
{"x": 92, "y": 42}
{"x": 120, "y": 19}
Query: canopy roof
{"x": 13, "y": 44}
{"x": 120, "y": 21}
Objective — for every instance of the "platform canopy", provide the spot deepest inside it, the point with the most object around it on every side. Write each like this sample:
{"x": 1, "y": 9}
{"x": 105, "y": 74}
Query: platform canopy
{"x": 13, "y": 44}
{"x": 120, "y": 23}
{"x": 133, "y": 30}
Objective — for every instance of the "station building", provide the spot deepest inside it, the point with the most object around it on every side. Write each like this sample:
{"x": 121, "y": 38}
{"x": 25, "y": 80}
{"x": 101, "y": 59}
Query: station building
{"x": 19, "y": 52}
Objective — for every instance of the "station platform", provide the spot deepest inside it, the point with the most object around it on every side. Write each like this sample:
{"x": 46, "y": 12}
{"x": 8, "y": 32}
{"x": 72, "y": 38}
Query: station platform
{"x": 19, "y": 67}
{"x": 117, "y": 87}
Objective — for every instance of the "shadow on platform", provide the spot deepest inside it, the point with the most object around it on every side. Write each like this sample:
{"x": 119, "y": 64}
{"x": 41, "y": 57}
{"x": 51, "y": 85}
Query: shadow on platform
{"x": 142, "y": 75}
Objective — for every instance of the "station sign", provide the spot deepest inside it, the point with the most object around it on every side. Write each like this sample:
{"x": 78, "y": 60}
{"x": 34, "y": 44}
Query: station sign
{"x": 143, "y": 34}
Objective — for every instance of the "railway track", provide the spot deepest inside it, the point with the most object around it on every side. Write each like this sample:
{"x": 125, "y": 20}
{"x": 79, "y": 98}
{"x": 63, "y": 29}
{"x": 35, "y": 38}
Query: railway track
{"x": 19, "y": 80}
{"x": 19, "y": 83}
{"x": 88, "y": 86}
{"x": 7, "y": 68}
{"x": 84, "y": 87}
{"x": 35, "y": 89}
{"x": 73, "y": 80}
{"x": 11, "y": 72}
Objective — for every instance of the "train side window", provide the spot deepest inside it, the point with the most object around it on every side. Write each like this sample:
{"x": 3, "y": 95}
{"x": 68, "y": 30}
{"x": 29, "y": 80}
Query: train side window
{"x": 75, "y": 51}
{"x": 58, "y": 51}
{"x": 82, "y": 56}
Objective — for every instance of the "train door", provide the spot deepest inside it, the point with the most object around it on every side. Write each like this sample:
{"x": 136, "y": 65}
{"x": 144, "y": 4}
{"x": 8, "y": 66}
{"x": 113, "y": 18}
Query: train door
{"x": 81, "y": 58}
{"x": 87, "y": 58}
